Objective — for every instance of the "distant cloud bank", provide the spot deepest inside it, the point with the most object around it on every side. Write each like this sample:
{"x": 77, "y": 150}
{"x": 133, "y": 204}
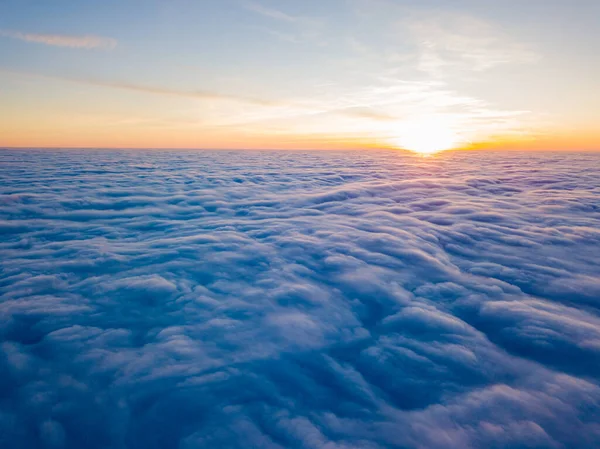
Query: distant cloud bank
{"x": 153, "y": 299}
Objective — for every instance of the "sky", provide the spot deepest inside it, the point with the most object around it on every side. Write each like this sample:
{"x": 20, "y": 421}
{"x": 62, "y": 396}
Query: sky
{"x": 420, "y": 75}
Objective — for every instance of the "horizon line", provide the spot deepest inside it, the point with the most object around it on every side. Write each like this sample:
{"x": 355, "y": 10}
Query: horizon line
{"x": 477, "y": 149}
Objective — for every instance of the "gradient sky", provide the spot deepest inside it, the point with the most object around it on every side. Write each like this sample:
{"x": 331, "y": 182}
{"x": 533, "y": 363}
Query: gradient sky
{"x": 421, "y": 75}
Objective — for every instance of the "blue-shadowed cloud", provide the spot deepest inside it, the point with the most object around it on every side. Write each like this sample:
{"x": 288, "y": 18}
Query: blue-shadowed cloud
{"x": 154, "y": 299}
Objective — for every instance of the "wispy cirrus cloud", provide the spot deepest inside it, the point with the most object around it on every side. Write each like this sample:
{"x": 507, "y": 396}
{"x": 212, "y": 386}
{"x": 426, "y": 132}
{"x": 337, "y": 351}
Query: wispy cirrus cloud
{"x": 148, "y": 89}
{"x": 434, "y": 42}
{"x": 158, "y": 90}
{"x": 386, "y": 109}
{"x": 270, "y": 12}
{"x": 87, "y": 41}
{"x": 459, "y": 41}
{"x": 297, "y": 28}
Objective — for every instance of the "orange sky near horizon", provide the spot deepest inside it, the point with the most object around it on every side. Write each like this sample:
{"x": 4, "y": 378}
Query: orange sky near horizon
{"x": 53, "y": 135}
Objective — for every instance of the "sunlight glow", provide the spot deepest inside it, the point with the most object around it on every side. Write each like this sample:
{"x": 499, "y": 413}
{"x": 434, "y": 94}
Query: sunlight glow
{"x": 427, "y": 136}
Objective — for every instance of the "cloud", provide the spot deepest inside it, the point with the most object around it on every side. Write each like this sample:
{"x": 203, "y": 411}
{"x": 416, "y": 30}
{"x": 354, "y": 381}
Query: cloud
{"x": 148, "y": 89}
{"x": 294, "y": 29}
{"x": 298, "y": 299}
{"x": 270, "y": 12}
{"x": 448, "y": 41}
{"x": 439, "y": 44}
{"x": 199, "y": 94}
{"x": 61, "y": 40}
{"x": 384, "y": 111}
{"x": 366, "y": 112}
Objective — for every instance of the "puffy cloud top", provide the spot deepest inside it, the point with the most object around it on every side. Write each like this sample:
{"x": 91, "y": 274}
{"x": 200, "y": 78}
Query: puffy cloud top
{"x": 299, "y": 300}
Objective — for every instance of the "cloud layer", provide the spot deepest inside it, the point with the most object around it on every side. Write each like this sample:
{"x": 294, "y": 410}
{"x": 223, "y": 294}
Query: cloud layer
{"x": 299, "y": 300}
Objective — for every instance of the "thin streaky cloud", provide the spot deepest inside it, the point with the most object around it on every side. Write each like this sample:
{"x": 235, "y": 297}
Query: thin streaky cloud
{"x": 200, "y": 94}
{"x": 62, "y": 40}
{"x": 269, "y": 12}
{"x": 156, "y": 90}
{"x": 298, "y": 29}
{"x": 366, "y": 112}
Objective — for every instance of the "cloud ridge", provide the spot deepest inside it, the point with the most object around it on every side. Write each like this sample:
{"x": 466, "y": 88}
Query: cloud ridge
{"x": 199, "y": 299}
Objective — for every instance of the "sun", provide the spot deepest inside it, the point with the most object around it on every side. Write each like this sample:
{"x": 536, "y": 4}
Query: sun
{"x": 426, "y": 136}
